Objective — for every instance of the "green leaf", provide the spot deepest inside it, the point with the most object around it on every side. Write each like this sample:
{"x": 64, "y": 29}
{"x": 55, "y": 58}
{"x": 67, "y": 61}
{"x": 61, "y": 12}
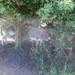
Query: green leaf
{"x": 2, "y": 10}
{"x": 53, "y": 71}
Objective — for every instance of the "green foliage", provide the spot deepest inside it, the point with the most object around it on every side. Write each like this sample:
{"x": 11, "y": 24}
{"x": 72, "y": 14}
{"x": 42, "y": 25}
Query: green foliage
{"x": 60, "y": 11}
{"x": 2, "y": 9}
{"x": 66, "y": 73}
{"x": 53, "y": 10}
{"x": 58, "y": 61}
{"x": 2, "y": 73}
{"x": 45, "y": 11}
{"x": 70, "y": 24}
{"x": 22, "y": 6}
{"x": 65, "y": 6}
{"x": 53, "y": 71}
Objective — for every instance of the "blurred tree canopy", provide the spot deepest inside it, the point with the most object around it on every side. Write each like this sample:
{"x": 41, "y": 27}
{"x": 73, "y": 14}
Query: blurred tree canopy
{"x": 57, "y": 11}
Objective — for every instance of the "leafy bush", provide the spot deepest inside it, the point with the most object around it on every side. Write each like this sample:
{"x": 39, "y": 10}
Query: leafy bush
{"x": 57, "y": 61}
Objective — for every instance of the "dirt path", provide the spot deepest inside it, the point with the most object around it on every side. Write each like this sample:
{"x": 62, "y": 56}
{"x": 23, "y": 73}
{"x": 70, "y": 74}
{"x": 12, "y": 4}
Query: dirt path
{"x": 16, "y": 62}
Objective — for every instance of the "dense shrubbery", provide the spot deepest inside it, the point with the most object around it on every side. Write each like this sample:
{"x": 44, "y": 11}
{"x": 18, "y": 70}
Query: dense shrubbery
{"x": 60, "y": 13}
{"x": 57, "y": 61}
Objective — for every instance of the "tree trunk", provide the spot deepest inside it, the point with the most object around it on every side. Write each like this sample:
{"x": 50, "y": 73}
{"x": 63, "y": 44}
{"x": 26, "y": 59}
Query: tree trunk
{"x": 18, "y": 37}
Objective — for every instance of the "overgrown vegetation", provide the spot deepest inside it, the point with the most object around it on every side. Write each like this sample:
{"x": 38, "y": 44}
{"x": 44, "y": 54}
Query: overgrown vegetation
{"x": 57, "y": 12}
{"x": 61, "y": 15}
{"x": 56, "y": 58}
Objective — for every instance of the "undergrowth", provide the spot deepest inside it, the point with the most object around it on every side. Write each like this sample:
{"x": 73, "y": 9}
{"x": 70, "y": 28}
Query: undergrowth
{"x": 57, "y": 61}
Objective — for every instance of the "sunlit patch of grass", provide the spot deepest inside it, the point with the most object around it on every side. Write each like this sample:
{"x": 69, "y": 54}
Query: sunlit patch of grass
{"x": 2, "y": 73}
